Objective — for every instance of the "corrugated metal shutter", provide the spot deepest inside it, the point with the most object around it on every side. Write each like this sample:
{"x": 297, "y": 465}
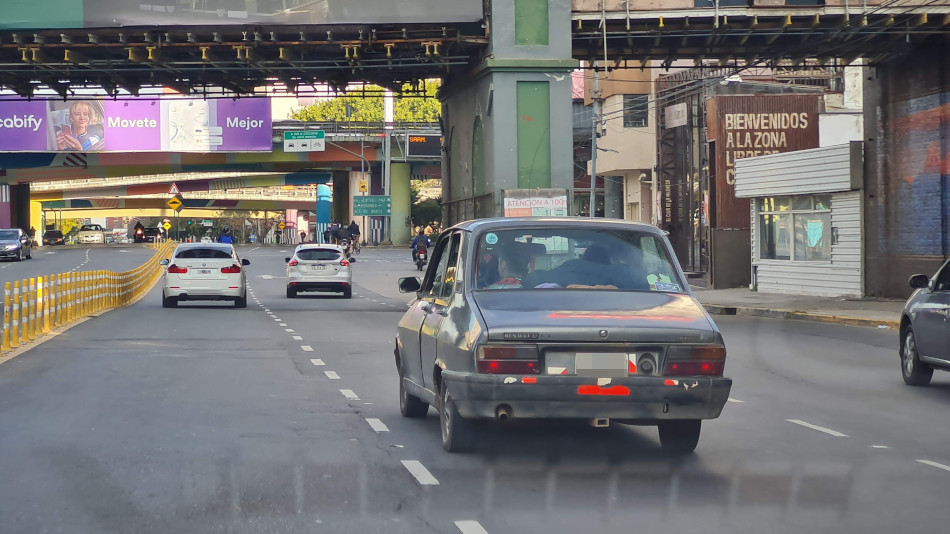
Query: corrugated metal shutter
{"x": 820, "y": 170}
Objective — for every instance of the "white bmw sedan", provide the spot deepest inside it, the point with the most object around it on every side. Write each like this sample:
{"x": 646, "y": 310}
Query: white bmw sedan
{"x": 204, "y": 271}
{"x": 319, "y": 268}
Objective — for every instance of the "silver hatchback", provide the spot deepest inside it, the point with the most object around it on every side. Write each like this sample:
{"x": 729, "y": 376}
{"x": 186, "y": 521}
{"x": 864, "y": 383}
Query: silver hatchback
{"x": 319, "y": 268}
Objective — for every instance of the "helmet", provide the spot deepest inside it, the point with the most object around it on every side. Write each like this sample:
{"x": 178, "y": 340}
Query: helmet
{"x": 225, "y": 229}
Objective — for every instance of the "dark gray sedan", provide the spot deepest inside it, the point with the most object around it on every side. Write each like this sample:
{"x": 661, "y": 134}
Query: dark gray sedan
{"x": 925, "y": 327}
{"x": 558, "y": 318}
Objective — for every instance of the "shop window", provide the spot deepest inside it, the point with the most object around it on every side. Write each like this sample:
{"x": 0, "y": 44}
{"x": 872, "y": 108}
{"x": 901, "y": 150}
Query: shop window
{"x": 635, "y": 111}
{"x": 794, "y": 228}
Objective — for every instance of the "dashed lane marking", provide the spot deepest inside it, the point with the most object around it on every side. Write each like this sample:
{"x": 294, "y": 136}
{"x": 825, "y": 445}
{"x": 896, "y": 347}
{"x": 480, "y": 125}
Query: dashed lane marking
{"x": 291, "y": 330}
{"x": 730, "y": 399}
{"x": 470, "y": 526}
{"x": 316, "y": 361}
{"x": 879, "y": 447}
{"x": 349, "y": 394}
{"x": 828, "y": 431}
{"x": 419, "y": 471}
{"x": 281, "y": 324}
{"x": 306, "y": 348}
{"x": 297, "y": 338}
{"x": 935, "y": 464}
{"x": 377, "y": 425}
{"x": 332, "y": 375}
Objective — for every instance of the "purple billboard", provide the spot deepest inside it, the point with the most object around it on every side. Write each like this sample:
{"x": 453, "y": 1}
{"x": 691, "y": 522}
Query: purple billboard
{"x": 136, "y": 125}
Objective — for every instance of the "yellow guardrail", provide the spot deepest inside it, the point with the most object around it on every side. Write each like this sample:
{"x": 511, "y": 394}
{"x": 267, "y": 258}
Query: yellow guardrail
{"x": 35, "y": 306}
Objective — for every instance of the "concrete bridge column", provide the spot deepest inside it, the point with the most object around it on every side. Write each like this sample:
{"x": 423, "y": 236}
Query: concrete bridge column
{"x": 509, "y": 121}
{"x": 399, "y": 175}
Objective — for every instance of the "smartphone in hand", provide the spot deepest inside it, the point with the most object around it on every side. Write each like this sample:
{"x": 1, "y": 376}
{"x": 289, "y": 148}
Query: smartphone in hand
{"x": 66, "y": 129}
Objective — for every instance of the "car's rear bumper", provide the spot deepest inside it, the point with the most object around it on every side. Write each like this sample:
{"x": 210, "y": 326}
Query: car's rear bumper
{"x": 630, "y": 398}
{"x": 198, "y": 292}
{"x": 320, "y": 286}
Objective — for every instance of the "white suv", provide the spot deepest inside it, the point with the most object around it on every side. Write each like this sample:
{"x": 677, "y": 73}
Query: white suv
{"x": 319, "y": 268}
{"x": 204, "y": 271}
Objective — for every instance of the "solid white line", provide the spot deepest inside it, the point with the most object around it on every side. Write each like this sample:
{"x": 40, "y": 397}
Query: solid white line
{"x": 297, "y": 338}
{"x": 350, "y": 394}
{"x": 377, "y": 425}
{"x": 470, "y": 526}
{"x": 316, "y": 361}
{"x": 332, "y": 375}
{"x": 828, "y": 431}
{"x": 306, "y": 348}
{"x": 423, "y": 476}
{"x": 935, "y": 464}
{"x": 730, "y": 399}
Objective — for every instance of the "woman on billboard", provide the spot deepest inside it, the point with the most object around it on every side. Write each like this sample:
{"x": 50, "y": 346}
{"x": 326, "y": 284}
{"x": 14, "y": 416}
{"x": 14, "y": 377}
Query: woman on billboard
{"x": 81, "y": 128}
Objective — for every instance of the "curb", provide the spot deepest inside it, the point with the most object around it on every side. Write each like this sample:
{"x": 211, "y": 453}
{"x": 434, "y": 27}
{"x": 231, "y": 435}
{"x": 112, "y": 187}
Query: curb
{"x": 815, "y": 317}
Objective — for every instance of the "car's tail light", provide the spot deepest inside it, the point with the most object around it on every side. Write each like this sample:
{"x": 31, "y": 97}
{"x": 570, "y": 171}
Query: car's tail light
{"x": 508, "y": 359}
{"x": 344, "y": 263}
{"x": 692, "y": 360}
{"x": 293, "y": 262}
{"x": 234, "y": 269}
{"x": 176, "y": 269}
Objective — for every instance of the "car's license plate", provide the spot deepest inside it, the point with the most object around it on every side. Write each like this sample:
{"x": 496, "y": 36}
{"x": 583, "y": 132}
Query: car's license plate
{"x": 600, "y": 365}
{"x": 319, "y": 267}
{"x": 204, "y": 271}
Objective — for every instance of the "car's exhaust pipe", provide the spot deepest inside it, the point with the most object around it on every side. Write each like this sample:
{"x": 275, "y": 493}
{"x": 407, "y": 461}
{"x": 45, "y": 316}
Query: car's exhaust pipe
{"x": 600, "y": 422}
{"x": 503, "y": 413}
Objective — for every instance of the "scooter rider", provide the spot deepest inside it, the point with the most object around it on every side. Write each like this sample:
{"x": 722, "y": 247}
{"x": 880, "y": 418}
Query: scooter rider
{"x": 420, "y": 241}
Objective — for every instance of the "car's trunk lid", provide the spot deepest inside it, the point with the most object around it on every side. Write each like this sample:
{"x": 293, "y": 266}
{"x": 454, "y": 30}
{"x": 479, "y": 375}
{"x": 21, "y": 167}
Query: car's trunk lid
{"x": 593, "y": 316}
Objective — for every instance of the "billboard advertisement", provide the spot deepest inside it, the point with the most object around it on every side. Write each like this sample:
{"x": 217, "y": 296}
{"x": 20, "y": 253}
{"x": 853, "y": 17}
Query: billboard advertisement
{"x": 41, "y": 14}
{"x": 136, "y": 125}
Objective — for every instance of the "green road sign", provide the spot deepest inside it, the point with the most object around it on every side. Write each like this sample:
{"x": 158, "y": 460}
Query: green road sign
{"x": 305, "y": 141}
{"x": 373, "y": 205}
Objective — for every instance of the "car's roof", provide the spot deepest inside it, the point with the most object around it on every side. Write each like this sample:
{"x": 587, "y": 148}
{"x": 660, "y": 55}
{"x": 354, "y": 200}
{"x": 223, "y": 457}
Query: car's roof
{"x": 554, "y": 222}
{"x": 223, "y": 246}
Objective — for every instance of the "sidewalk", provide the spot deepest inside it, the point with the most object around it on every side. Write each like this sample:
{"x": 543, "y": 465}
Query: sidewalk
{"x": 839, "y": 310}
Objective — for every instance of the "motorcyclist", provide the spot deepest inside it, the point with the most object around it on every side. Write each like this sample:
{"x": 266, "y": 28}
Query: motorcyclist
{"x": 335, "y": 229}
{"x": 419, "y": 242}
{"x": 354, "y": 229}
{"x": 138, "y": 232}
{"x": 225, "y": 235}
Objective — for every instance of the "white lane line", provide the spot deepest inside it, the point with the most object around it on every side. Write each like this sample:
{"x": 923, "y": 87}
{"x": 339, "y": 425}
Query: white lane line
{"x": 316, "y": 361}
{"x": 470, "y": 526}
{"x": 730, "y": 399}
{"x": 423, "y": 476}
{"x": 291, "y": 330}
{"x": 332, "y": 375}
{"x": 349, "y": 394}
{"x": 935, "y": 464}
{"x": 879, "y": 447}
{"x": 306, "y": 348}
{"x": 280, "y": 324}
{"x": 828, "y": 431}
{"x": 377, "y": 425}
{"x": 297, "y": 338}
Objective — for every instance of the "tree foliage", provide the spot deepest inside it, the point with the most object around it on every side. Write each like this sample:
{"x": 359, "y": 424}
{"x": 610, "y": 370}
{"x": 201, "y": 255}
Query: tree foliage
{"x": 353, "y": 107}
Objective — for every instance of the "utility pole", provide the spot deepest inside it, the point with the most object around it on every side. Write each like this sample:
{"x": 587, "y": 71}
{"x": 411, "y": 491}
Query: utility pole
{"x": 388, "y": 118}
{"x": 593, "y": 140}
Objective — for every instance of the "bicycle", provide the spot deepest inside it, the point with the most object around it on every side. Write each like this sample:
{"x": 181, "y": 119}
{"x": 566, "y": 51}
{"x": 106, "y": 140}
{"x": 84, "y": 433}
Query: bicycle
{"x": 356, "y": 244}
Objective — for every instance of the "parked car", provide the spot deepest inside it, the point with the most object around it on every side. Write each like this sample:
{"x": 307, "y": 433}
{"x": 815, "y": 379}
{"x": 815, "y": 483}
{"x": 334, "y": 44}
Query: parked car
{"x": 53, "y": 237}
{"x": 523, "y": 318}
{"x": 152, "y": 234}
{"x": 206, "y": 239}
{"x": 924, "y": 329}
{"x": 200, "y": 271}
{"x": 91, "y": 233}
{"x": 319, "y": 268}
{"x": 16, "y": 244}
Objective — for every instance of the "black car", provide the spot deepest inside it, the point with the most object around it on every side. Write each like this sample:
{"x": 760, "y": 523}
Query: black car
{"x": 152, "y": 234}
{"x": 53, "y": 237}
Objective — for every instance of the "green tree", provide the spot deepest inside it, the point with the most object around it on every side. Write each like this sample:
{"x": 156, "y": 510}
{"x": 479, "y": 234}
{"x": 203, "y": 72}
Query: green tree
{"x": 426, "y": 211}
{"x": 353, "y": 107}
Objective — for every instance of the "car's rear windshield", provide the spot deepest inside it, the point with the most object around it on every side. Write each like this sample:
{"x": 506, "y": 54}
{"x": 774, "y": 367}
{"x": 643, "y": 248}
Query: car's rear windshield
{"x": 602, "y": 259}
{"x": 9, "y": 234}
{"x": 54, "y": 233}
{"x": 90, "y": 228}
{"x": 318, "y": 254}
{"x": 203, "y": 254}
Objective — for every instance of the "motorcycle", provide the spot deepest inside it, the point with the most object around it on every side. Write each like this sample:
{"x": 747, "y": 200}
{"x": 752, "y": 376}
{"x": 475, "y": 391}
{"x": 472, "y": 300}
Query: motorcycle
{"x": 139, "y": 236}
{"x": 345, "y": 245}
{"x": 422, "y": 258}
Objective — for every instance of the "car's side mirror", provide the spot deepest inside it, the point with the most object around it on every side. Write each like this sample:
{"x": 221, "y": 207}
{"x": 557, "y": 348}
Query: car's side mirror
{"x": 410, "y": 284}
{"x": 286, "y": 260}
{"x": 919, "y": 281}
{"x": 165, "y": 262}
{"x": 245, "y": 261}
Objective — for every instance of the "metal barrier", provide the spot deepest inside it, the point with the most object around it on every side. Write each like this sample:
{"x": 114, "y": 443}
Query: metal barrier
{"x": 35, "y": 306}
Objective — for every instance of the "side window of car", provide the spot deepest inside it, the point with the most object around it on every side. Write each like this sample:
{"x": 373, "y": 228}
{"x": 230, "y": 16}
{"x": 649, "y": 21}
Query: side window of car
{"x": 433, "y": 285}
{"x": 448, "y": 285}
{"x": 943, "y": 279}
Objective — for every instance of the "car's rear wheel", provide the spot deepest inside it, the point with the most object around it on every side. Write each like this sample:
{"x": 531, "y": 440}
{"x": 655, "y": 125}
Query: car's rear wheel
{"x": 291, "y": 292}
{"x": 410, "y": 405}
{"x": 680, "y": 436}
{"x": 458, "y": 433}
{"x": 169, "y": 302}
{"x": 915, "y": 372}
{"x": 240, "y": 302}
{"x": 348, "y": 293}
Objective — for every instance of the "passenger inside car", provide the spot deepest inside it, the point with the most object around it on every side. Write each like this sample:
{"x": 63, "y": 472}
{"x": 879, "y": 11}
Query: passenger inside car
{"x": 512, "y": 267}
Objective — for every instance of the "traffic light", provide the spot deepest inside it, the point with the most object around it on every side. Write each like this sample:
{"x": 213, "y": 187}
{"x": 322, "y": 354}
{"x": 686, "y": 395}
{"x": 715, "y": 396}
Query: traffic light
{"x": 189, "y": 222}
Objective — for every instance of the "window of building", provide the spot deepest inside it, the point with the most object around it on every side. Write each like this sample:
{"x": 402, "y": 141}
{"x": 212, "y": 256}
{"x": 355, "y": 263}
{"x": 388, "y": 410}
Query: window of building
{"x": 795, "y": 228}
{"x": 635, "y": 111}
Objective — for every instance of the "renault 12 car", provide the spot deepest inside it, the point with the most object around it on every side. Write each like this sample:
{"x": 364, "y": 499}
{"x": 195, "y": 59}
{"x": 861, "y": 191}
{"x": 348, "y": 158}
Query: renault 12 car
{"x": 319, "y": 268}
{"x": 16, "y": 244}
{"x": 201, "y": 271}
{"x": 91, "y": 234}
{"x": 558, "y": 318}
{"x": 925, "y": 328}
